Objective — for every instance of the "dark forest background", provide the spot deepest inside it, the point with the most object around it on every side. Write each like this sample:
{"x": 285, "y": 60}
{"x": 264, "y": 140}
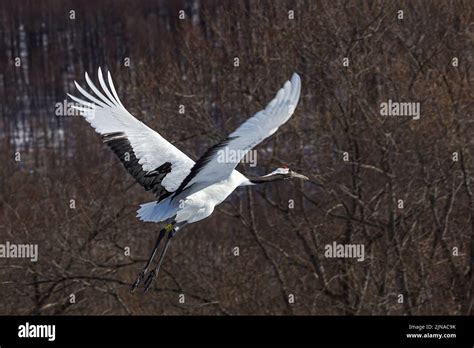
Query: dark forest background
{"x": 422, "y": 251}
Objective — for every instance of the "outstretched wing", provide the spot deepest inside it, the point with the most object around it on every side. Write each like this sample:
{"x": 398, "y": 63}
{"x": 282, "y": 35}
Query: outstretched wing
{"x": 155, "y": 163}
{"x": 213, "y": 166}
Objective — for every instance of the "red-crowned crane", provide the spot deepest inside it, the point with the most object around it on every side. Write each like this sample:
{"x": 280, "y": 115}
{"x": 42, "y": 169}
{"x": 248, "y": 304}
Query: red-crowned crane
{"x": 187, "y": 191}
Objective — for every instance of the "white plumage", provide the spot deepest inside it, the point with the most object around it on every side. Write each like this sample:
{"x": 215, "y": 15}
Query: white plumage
{"x": 252, "y": 132}
{"x": 108, "y": 115}
{"x": 215, "y": 180}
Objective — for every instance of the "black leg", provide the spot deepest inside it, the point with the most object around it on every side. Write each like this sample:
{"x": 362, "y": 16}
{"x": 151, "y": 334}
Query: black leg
{"x": 153, "y": 274}
{"x": 141, "y": 275}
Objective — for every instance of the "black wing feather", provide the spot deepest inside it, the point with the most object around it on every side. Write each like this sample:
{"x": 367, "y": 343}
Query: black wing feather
{"x": 120, "y": 144}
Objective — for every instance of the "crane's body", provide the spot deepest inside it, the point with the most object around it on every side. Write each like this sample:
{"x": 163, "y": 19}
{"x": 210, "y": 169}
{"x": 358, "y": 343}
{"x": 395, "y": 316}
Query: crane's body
{"x": 194, "y": 207}
{"x": 187, "y": 191}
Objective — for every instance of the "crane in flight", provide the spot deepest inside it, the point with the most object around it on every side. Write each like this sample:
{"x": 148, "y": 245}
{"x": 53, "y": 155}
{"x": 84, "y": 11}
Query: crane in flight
{"x": 186, "y": 191}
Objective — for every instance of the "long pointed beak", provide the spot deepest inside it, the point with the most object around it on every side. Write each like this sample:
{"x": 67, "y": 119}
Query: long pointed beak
{"x": 300, "y": 176}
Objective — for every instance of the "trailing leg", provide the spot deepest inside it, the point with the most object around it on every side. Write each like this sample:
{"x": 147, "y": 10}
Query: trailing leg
{"x": 153, "y": 274}
{"x": 141, "y": 275}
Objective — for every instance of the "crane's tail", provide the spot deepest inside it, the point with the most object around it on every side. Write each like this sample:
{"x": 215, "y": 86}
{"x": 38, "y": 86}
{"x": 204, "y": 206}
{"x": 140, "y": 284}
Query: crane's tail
{"x": 155, "y": 211}
{"x": 148, "y": 212}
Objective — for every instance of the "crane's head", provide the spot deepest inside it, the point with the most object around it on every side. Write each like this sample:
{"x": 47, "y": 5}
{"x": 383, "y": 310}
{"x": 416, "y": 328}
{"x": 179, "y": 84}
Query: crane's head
{"x": 286, "y": 173}
{"x": 281, "y": 173}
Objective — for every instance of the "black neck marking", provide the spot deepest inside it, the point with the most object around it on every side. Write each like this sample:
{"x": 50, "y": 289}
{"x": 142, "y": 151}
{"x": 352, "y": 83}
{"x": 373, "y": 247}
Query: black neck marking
{"x": 265, "y": 179}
